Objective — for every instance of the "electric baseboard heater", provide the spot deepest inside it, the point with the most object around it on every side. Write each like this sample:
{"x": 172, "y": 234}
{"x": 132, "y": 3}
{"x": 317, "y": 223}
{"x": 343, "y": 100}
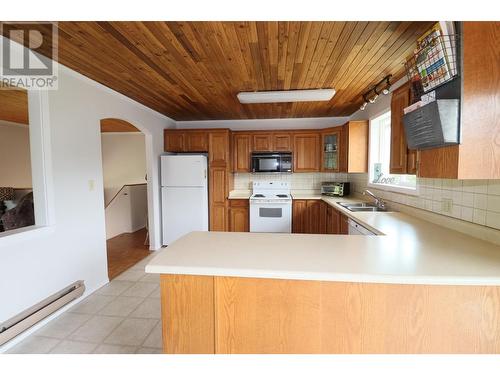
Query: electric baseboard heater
{"x": 29, "y": 317}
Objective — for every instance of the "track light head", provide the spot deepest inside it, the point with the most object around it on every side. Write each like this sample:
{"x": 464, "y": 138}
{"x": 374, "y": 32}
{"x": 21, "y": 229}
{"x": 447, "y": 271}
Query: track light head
{"x": 373, "y": 98}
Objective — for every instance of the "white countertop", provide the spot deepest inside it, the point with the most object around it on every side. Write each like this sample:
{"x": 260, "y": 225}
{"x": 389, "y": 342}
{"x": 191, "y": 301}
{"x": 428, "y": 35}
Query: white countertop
{"x": 240, "y": 194}
{"x": 412, "y": 251}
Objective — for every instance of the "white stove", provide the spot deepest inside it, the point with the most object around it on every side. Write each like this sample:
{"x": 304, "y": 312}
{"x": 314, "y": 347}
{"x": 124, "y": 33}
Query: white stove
{"x": 271, "y": 207}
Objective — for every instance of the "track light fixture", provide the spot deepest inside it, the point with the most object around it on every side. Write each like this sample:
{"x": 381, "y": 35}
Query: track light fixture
{"x": 382, "y": 87}
{"x": 365, "y": 103}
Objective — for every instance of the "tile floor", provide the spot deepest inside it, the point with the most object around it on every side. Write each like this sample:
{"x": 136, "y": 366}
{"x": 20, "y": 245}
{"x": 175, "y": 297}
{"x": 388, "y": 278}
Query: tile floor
{"x": 121, "y": 317}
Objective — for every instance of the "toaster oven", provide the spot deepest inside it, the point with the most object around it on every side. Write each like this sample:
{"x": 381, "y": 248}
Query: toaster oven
{"x": 335, "y": 189}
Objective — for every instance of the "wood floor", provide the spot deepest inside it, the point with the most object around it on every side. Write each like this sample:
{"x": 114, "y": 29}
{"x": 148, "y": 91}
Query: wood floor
{"x": 125, "y": 250}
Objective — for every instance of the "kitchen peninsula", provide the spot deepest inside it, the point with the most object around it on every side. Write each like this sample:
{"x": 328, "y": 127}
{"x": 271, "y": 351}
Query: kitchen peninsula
{"x": 418, "y": 288}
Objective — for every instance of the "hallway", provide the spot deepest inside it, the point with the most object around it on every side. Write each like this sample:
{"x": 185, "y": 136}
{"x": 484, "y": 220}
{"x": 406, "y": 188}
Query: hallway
{"x": 125, "y": 250}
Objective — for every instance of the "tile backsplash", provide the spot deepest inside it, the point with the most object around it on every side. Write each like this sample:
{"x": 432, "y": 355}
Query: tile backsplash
{"x": 299, "y": 181}
{"x": 475, "y": 201}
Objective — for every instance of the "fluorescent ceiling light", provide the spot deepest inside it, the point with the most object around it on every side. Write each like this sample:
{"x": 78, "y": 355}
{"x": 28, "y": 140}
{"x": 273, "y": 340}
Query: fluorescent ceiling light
{"x": 286, "y": 96}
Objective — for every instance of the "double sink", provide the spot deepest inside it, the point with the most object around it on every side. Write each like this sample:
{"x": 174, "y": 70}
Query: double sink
{"x": 362, "y": 207}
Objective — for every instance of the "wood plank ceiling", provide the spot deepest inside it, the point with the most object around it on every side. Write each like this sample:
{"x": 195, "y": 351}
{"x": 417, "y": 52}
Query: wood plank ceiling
{"x": 14, "y": 106}
{"x": 193, "y": 70}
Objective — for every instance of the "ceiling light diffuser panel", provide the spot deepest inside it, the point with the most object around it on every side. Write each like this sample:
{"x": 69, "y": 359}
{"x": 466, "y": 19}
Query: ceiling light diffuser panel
{"x": 286, "y": 96}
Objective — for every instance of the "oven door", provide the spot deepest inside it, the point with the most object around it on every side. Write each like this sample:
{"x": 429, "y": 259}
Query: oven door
{"x": 266, "y": 163}
{"x": 275, "y": 217}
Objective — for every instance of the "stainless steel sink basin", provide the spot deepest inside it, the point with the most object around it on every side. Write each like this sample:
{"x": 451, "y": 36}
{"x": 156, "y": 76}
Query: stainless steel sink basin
{"x": 366, "y": 209}
{"x": 362, "y": 207}
{"x": 344, "y": 204}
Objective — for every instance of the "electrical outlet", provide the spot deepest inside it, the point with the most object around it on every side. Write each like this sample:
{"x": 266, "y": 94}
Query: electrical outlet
{"x": 91, "y": 185}
{"x": 446, "y": 204}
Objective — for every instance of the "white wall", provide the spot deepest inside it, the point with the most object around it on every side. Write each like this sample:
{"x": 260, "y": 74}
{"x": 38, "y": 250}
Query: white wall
{"x": 127, "y": 212}
{"x": 35, "y": 265}
{"x": 265, "y": 124}
{"x": 15, "y": 161}
{"x": 123, "y": 161}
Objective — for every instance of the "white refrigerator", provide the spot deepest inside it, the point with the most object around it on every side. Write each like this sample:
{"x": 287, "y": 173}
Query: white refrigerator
{"x": 184, "y": 195}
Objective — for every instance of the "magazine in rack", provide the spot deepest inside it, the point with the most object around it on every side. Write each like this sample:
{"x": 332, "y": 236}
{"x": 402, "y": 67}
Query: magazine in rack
{"x": 434, "y": 56}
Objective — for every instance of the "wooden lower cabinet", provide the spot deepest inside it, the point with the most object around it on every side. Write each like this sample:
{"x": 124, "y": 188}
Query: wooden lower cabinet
{"x": 323, "y": 217}
{"x": 239, "y": 220}
{"x": 205, "y": 314}
{"x": 187, "y": 305}
{"x": 299, "y": 216}
{"x": 314, "y": 216}
{"x": 343, "y": 225}
{"x": 306, "y": 216}
{"x": 332, "y": 220}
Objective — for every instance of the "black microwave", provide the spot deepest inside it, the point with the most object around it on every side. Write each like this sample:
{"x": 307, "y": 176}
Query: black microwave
{"x": 270, "y": 162}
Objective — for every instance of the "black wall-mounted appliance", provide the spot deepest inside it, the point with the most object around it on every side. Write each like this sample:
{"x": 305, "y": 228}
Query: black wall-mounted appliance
{"x": 271, "y": 162}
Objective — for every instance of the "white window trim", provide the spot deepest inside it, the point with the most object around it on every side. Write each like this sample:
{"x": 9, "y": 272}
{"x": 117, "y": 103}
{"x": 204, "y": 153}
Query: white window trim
{"x": 41, "y": 172}
{"x": 393, "y": 188}
{"x": 385, "y": 187}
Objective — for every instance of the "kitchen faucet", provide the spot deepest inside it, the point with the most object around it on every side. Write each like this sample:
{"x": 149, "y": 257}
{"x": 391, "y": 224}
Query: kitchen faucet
{"x": 378, "y": 201}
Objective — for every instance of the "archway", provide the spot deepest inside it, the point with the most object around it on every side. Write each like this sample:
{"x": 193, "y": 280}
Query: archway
{"x": 125, "y": 194}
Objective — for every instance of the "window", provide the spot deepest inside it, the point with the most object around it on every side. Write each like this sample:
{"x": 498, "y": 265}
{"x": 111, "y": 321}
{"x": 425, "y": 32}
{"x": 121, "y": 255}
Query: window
{"x": 380, "y": 156}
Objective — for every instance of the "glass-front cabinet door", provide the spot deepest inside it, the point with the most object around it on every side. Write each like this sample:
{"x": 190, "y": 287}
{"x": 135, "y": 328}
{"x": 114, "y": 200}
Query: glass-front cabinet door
{"x": 330, "y": 151}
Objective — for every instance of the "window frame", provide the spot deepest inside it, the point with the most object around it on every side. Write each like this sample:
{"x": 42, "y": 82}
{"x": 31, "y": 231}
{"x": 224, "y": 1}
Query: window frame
{"x": 385, "y": 187}
{"x": 41, "y": 171}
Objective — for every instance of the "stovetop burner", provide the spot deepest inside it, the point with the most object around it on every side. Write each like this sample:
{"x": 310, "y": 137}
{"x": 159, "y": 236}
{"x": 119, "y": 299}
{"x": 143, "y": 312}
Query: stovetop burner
{"x": 282, "y": 195}
{"x": 259, "y": 195}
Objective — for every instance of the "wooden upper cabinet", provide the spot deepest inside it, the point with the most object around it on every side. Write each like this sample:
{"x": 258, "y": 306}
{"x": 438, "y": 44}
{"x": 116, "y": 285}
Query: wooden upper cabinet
{"x": 282, "y": 142}
{"x": 263, "y": 142}
{"x": 330, "y": 149}
{"x": 439, "y": 162}
{"x": 242, "y": 148}
{"x": 174, "y": 140}
{"x": 218, "y": 145}
{"x": 196, "y": 141}
{"x": 185, "y": 140}
{"x": 354, "y": 147}
{"x": 307, "y": 149}
{"x": 399, "y": 150}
